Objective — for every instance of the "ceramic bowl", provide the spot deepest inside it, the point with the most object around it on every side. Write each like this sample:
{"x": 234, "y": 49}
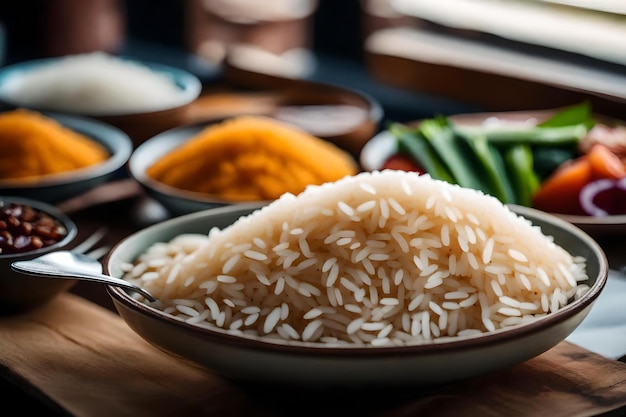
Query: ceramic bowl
{"x": 176, "y": 201}
{"x": 138, "y": 125}
{"x": 57, "y": 188}
{"x": 265, "y": 361}
{"x": 20, "y": 293}
{"x": 345, "y": 116}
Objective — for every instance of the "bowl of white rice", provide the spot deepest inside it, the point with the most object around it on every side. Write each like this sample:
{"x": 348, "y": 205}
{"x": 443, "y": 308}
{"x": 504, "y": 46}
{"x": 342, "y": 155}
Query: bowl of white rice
{"x": 381, "y": 278}
{"x": 141, "y": 98}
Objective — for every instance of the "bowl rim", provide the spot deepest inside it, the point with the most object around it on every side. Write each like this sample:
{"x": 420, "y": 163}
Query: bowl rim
{"x": 452, "y": 344}
{"x": 189, "y": 85}
{"x": 372, "y": 107}
{"x": 70, "y": 226}
{"x": 94, "y": 129}
{"x": 584, "y": 221}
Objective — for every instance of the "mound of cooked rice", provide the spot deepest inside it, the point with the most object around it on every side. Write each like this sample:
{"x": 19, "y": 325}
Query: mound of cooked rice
{"x": 379, "y": 258}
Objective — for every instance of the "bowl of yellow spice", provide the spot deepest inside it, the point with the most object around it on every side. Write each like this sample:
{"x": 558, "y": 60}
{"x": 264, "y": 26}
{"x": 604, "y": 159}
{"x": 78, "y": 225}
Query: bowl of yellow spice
{"x": 53, "y": 157}
{"x": 238, "y": 159}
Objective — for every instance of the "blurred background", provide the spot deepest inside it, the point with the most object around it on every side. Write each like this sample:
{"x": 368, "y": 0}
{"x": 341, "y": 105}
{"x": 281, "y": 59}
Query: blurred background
{"x": 416, "y": 57}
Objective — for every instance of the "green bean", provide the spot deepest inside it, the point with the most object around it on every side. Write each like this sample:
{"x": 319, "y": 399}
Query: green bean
{"x": 537, "y": 136}
{"x": 519, "y": 161}
{"x": 456, "y": 153}
{"x": 417, "y": 147}
{"x": 493, "y": 164}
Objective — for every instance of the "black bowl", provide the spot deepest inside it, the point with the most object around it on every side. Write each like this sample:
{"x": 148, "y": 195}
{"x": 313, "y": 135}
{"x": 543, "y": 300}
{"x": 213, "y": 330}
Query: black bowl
{"x": 20, "y": 293}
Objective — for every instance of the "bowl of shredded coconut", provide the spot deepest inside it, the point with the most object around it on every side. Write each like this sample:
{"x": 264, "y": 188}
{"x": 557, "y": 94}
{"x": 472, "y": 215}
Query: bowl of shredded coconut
{"x": 138, "y": 97}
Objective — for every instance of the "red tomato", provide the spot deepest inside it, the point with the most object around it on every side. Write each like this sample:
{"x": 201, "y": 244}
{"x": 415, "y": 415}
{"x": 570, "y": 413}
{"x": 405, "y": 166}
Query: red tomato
{"x": 402, "y": 163}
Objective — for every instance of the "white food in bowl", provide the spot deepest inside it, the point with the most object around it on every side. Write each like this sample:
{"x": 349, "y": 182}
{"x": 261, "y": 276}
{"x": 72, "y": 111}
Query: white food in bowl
{"x": 96, "y": 84}
{"x": 378, "y": 259}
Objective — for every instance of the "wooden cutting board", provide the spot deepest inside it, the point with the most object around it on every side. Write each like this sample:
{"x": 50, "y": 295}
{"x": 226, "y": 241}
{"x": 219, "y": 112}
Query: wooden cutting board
{"x": 85, "y": 359}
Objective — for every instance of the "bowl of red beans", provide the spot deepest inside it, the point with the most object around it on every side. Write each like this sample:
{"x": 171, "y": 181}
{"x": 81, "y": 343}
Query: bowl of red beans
{"x": 28, "y": 229}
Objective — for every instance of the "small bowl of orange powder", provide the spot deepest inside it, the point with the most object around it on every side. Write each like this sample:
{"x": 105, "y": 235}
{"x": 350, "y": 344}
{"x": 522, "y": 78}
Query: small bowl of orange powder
{"x": 233, "y": 160}
{"x": 54, "y": 157}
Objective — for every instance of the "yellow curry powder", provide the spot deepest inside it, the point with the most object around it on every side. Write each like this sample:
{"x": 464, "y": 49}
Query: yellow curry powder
{"x": 251, "y": 158}
{"x": 33, "y": 145}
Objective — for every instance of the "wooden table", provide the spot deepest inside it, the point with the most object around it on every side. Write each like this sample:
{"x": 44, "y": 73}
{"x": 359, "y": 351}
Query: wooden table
{"x": 77, "y": 357}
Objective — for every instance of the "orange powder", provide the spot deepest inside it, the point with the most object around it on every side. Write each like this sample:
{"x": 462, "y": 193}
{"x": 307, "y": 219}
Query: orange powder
{"x": 252, "y": 158}
{"x": 33, "y": 145}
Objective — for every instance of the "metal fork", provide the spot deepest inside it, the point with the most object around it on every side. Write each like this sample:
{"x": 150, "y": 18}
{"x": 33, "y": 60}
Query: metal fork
{"x": 86, "y": 247}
